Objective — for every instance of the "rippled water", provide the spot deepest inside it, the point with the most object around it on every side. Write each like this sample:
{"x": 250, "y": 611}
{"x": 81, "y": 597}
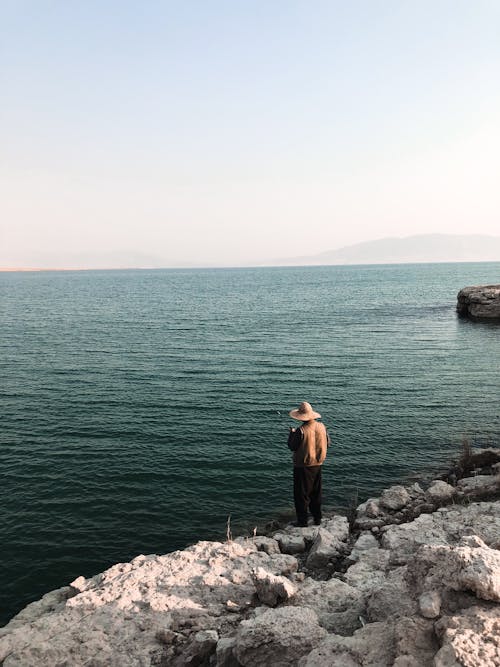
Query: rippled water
{"x": 140, "y": 408}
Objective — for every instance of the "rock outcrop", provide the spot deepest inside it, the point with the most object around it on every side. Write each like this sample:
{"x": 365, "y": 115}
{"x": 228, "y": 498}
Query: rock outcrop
{"x": 479, "y": 302}
{"x": 414, "y": 582}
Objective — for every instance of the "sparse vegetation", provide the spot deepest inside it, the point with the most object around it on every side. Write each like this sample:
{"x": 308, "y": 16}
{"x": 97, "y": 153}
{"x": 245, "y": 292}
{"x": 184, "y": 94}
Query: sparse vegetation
{"x": 351, "y": 508}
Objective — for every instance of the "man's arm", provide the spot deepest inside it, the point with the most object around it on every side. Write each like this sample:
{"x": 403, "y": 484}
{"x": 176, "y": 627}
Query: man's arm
{"x": 294, "y": 439}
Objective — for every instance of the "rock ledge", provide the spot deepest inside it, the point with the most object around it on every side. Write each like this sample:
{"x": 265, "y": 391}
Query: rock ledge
{"x": 479, "y": 302}
{"x": 414, "y": 581}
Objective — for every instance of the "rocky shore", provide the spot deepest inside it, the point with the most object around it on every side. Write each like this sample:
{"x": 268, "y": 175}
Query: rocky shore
{"x": 479, "y": 302}
{"x": 412, "y": 579}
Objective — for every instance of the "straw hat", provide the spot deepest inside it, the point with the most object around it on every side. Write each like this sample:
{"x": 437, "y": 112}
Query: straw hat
{"x": 304, "y": 413}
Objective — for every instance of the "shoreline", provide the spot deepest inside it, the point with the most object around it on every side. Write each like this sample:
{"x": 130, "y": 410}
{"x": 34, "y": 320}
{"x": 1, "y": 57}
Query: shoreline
{"x": 371, "y": 589}
{"x": 241, "y": 526}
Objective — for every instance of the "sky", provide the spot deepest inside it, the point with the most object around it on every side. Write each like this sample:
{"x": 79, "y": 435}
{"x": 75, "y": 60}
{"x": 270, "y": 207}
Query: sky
{"x": 212, "y": 132}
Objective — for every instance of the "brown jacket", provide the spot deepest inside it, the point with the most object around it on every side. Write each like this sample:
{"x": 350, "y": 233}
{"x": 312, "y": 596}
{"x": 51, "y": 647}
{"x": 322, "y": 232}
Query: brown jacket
{"x": 308, "y": 444}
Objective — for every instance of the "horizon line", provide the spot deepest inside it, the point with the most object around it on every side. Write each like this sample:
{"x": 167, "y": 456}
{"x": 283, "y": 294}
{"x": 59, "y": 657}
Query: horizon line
{"x": 237, "y": 266}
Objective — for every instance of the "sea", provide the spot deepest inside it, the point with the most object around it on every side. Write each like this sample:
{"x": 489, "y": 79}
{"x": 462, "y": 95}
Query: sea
{"x": 143, "y": 409}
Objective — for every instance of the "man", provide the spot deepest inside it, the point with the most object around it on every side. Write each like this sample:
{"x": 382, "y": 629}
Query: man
{"x": 308, "y": 443}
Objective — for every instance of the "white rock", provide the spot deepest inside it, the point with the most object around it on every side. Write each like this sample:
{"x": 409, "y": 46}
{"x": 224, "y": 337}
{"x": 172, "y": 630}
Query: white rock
{"x": 278, "y": 637}
{"x": 440, "y": 491}
{"x": 373, "y": 509}
{"x": 471, "y": 638}
{"x": 370, "y": 646}
{"x": 199, "y": 649}
{"x": 307, "y": 532}
{"x": 479, "y": 571}
{"x": 390, "y": 599}
{"x": 407, "y": 661}
{"x": 172, "y": 609}
{"x": 461, "y": 568}
{"x": 430, "y": 604}
{"x": 369, "y": 508}
{"x": 438, "y": 528}
{"x": 479, "y": 484}
{"x": 224, "y": 653}
{"x": 267, "y": 544}
{"x": 395, "y": 498}
{"x": 364, "y": 523}
{"x": 51, "y": 602}
{"x": 326, "y": 546}
{"x": 364, "y": 542}
{"x": 118, "y": 617}
{"x": 338, "y": 527}
{"x": 369, "y": 572}
{"x": 337, "y": 604}
{"x": 290, "y": 543}
{"x": 416, "y": 643}
{"x": 403, "y": 540}
{"x": 272, "y": 589}
{"x": 416, "y": 490}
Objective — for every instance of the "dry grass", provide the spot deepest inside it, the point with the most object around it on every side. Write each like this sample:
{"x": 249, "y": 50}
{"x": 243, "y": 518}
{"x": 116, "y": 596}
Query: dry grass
{"x": 351, "y": 508}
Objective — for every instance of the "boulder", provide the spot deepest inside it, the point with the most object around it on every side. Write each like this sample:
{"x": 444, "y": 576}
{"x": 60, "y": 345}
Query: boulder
{"x": 395, "y": 498}
{"x": 479, "y": 485}
{"x": 471, "y": 639}
{"x": 403, "y": 540}
{"x": 199, "y": 649}
{"x": 429, "y": 604}
{"x": 364, "y": 542}
{"x": 278, "y": 637}
{"x": 290, "y": 543}
{"x": 410, "y": 661}
{"x": 128, "y": 614}
{"x": 369, "y": 572}
{"x": 325, "y": 547}
{"x": 370, "y": 508}
{"x": 337, "y": 604}
{"x": 52, "y": 602}
{"x": 338, "y": 527}
{"x": 364, "y": 523}
{"x": 440, "y": 492}
{"x": 415, "y": 490}
{"x": 272, "y": 589}
{"x": 471, "y": 566}
{"x": 330, "y": 542}
{"x": 307, "y": 532}
{"x": 391, "y": 598}
{"x": 224, "y": 653}
{"x": 267, "y": 544}
{"x": 196, "y": 606}
{"x": 371, "y": 646}
{"x": 416, "y": 642}
{"x": 479, "y": 302}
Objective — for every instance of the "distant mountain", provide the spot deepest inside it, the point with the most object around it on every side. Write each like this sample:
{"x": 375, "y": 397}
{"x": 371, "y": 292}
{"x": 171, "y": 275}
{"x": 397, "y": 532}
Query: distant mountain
{"x": 410, "y": 249}
{"x": 419, "y": 248}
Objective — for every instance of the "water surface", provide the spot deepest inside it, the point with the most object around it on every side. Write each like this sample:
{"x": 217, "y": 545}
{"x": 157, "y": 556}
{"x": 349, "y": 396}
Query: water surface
{"x": 140, "y": 408}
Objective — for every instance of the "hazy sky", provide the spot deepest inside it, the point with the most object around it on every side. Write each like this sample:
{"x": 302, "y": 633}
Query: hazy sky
{"x": 222, "y": 132}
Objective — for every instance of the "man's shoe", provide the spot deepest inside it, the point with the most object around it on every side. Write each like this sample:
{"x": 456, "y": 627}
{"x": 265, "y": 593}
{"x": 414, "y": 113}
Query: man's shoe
{"x": 317, "y": 522}
{"x": 299, "y": 524}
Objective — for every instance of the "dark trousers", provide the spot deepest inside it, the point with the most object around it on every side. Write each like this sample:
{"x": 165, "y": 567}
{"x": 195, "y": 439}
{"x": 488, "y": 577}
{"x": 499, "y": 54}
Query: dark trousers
{"x": 307, "y": 492}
